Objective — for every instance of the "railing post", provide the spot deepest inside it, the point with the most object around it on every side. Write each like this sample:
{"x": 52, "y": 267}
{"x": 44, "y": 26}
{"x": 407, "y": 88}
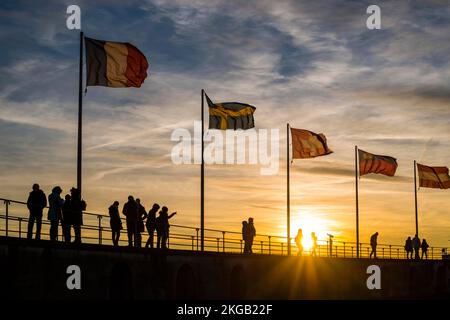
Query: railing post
{"x": 432, "y": 253}
{"x": 262, "y": 251}
{"x": 382, "y": 249}
{"x": 344, "y": 249}
{"x": 398, "y": 253}
{"x": 270, "y": 250}
{"x": 218, "y": 244}
{"x": 352, "y": 251}
{"x": 20, "y": 227}
{"x": 192, "y": 237}
{"x": 223, "y": 241}
{"x": 336, "y": 249}
{"x": 7, "y": 203}
{"x": 99, "y": 217}
{"x": 282, "y": 248}
{"x": 390, "y": 253}
{"x": 241, "y": 245}
{"x": 197, "y": 229}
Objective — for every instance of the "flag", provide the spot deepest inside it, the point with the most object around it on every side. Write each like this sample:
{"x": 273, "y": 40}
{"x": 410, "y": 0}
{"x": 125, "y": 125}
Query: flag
{"x": 373, "y": 163}
{"x": 307, "y": 144}
{"x": 433, "y": 177}
{"x": 230, "y": 115}
{"x": 114, "y": 64}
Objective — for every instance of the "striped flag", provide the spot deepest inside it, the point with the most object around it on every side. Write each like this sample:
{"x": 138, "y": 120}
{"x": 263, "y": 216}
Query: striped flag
{"x": 307, "y": 144}
{"x": 230, "y": 115}
{"x": 433, "y": 177}
{"x": 114, "y": 64}
{"x": 373, "y": 163}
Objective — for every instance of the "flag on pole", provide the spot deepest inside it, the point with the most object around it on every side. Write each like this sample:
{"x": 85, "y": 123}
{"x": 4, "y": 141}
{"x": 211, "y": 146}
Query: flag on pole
{"x": 433, "y": 177}
{"x": 307, "y": 144}
{"x": 230, "y": 115}
{"x": 373, "y": 163}
{"x": 114, "y": 64}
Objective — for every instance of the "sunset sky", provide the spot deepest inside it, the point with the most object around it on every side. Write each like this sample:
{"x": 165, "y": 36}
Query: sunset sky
{"x": 313, "y": 64}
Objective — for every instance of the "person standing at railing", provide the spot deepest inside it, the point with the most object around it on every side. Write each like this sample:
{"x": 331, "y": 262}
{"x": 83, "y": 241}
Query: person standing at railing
{"x": 245, "y": 236}
{"x": 251, "y": 233}
{"x": 162, "y": 224}
{"x": 425, "y": 247}
{"x": 298, "y": 241}
{"x": 66, "y": 220}
{"x": 373, "y": 244}
{"x": 409, "y": 248}
{"x": 416, "y": 247}
{"x": 36, "y": 203}
{"x": 77, "y": 206}
{"x": 130, "y": 211}
{"x": 142, "y": 214}
{"x": 55, "y": 203}
{"x": 115, "y": 222}
{"x": 150, "y": 224}
{"x": 314, "y": 244}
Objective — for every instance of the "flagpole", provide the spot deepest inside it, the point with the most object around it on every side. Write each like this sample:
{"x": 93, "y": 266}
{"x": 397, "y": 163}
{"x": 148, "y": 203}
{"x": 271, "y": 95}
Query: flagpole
{"x": 202, "y": 185}
{"x": 415, "y": 198}
{"x": 80, "y": 116}
{"x": 357, "y": 203}
{"x": 288, "y": 195}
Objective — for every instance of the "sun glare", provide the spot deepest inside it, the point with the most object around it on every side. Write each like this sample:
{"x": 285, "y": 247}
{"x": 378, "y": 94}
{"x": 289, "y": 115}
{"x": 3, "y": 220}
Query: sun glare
{"x": 309, "y": 223}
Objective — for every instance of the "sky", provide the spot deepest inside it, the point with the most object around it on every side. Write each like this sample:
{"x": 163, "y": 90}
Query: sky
{"x": 313, "y": 64}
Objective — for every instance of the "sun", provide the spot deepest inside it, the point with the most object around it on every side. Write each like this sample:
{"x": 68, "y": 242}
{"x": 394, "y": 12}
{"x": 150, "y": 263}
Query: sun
{"x": 309, "y": 223}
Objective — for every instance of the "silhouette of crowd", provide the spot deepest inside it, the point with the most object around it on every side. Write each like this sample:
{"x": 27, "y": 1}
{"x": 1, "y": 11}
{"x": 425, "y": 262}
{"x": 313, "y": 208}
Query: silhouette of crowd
{"x": 68, "y": 213}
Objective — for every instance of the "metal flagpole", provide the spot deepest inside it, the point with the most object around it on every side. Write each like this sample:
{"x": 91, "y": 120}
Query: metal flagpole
{"x": 202, "y": 185}
{"x": 357, "y": 203}
{"x": 288, "y": 195}
{"x": 415, "y": 198}
{"x": 80, "y": 116}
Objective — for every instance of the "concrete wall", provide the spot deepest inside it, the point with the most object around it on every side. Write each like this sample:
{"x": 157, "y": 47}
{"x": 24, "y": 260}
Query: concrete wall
{"x": 38, "y": 270}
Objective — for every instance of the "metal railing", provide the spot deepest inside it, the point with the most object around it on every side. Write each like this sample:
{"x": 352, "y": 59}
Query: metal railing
{"x": 96, "y": 231}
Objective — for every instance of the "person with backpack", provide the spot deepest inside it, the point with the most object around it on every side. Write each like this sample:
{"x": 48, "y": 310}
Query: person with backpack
{"x": 424, "y": 246}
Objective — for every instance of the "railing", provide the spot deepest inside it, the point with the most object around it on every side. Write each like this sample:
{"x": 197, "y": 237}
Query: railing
{"x": 96, "y": 230}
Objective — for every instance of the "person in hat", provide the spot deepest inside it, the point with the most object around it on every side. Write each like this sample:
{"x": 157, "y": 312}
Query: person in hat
{"x": 54, "y": 212}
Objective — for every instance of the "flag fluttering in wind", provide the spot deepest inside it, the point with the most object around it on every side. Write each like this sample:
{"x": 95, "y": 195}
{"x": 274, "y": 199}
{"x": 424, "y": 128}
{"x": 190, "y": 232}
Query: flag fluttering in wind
{"x": 307, "y": 144}
{"x": 230, "y": 115}
{"x": 114, "y": 64}
{"x": 373, "y": 163}
{"x": 433, "y": 177}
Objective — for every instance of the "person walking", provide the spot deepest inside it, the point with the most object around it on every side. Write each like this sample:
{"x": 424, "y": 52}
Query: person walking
{"x": 130, "y": 211}
{"x": 115, "y": 222}
{"x": 409, "y": 248}
{"x": 416, "y": 247}
{"x": 150, "y": 224}
{"x": 251, "y": 234}
{"x": 77, "y": 206}
{"x": 373, "y": 244}
{"x": 298, "y": 241}
{"x": 36, "y": 203}
{"x": 425, "y": 247}
{"x": 314, "y": 244}
{"x": 54, "y": 214}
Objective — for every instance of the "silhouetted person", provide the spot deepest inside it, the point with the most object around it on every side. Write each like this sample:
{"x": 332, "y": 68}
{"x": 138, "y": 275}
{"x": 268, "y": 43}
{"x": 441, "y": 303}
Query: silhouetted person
{"x": 409, "y": 248}
{"x": 245, "y": 236}
{"x": 55, "y": 203}
{"x": 416, "y": 246}
{"x": 130, "y": 211}
{"x": 251, "y": 233}
{"x": 142, "y": 214}
{"x": 150, "y": 224}
{"x": 66, "y": 221}
{"x": 77, "y": 206}
{"x": 373, "y": 244}
{"x": 163, "y": 226}
{"x": 314, "y": 245}
{"x": 115, "y": 222}
{"x": 298, "y": 241}
{"x": 36, "y": 203}
{"x": 424, "y": 247}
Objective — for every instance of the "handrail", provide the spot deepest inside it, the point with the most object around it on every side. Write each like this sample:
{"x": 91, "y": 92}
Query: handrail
{"x": 223, "y": 240}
